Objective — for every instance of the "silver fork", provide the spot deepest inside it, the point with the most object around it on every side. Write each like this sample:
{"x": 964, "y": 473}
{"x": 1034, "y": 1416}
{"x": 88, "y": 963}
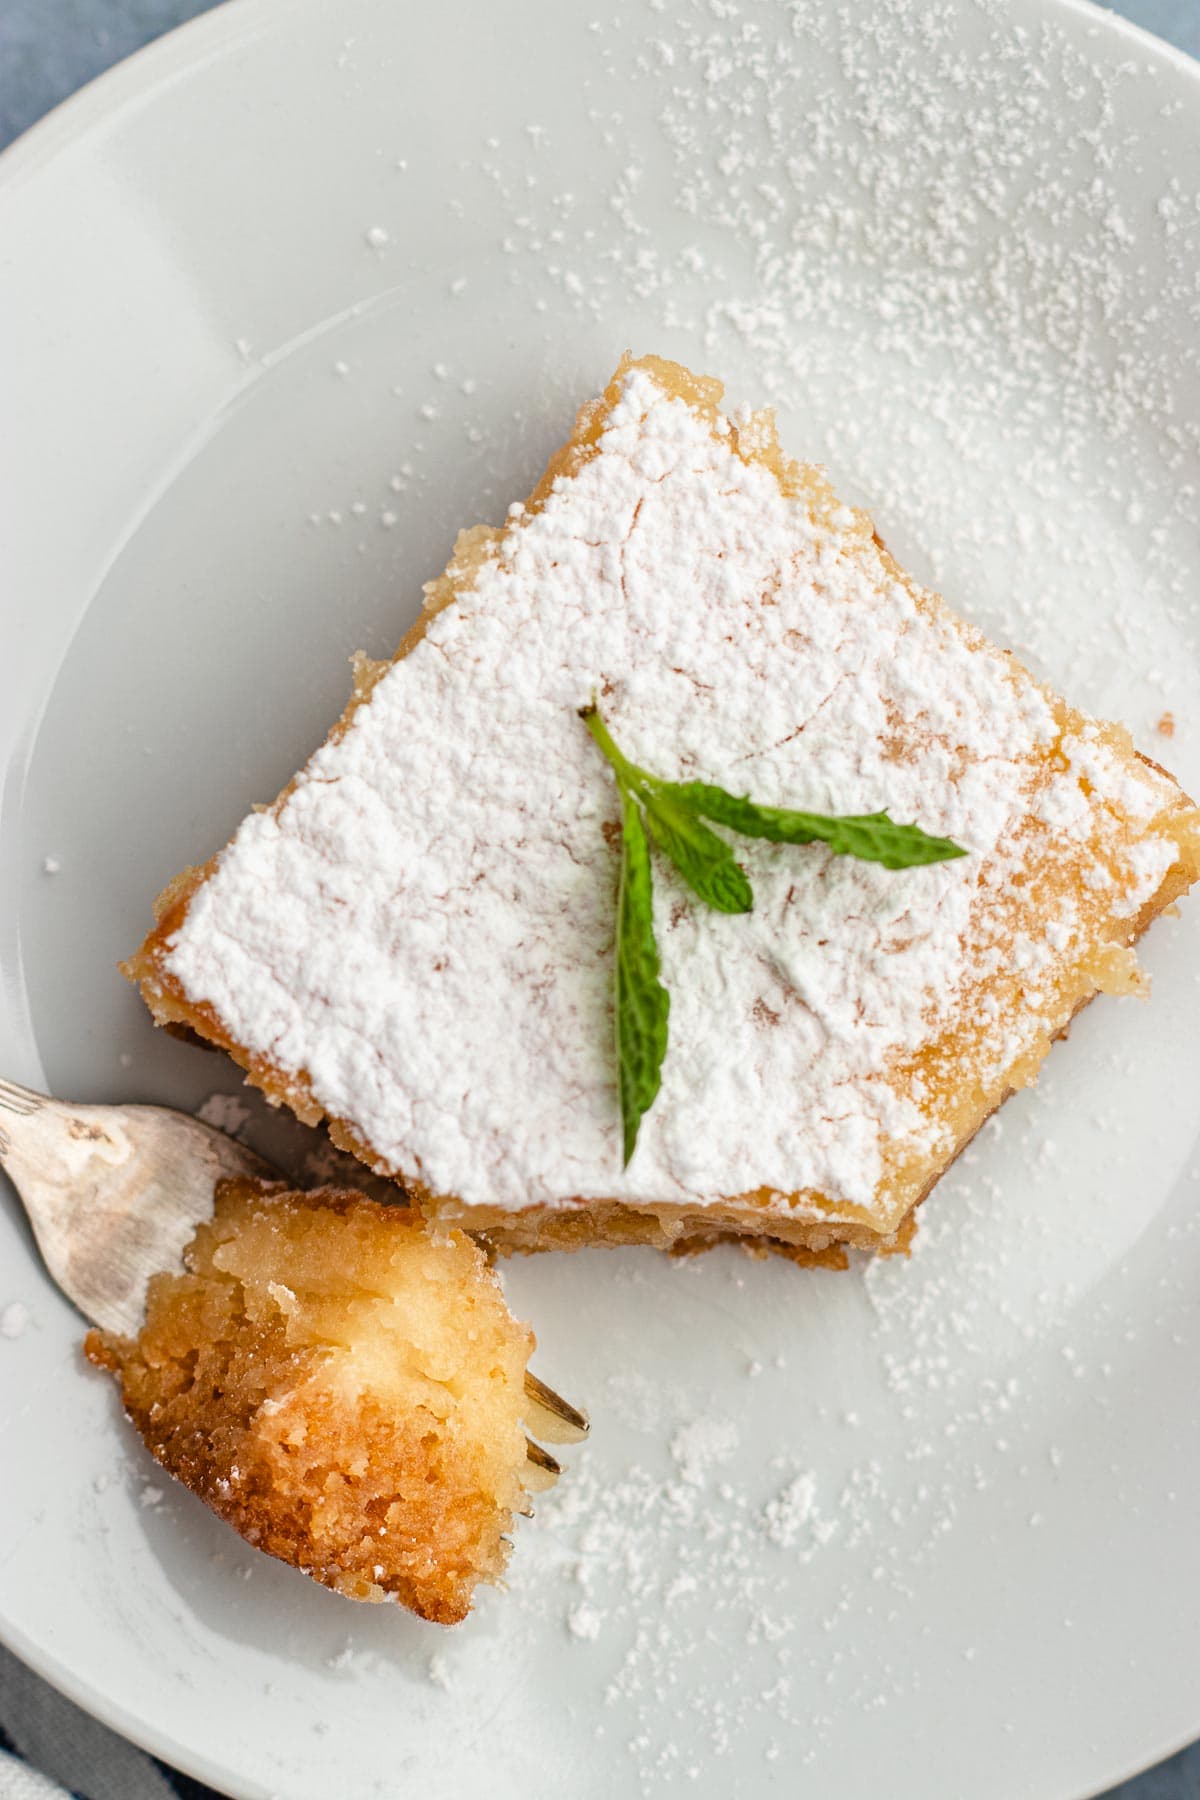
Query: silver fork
{"x": 114, "y": 1193}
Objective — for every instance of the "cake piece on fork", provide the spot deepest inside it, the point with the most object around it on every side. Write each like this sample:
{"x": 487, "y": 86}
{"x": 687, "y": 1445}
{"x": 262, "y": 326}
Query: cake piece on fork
{"x": 342, "y": 1388}
{"x": 416, "y": 940}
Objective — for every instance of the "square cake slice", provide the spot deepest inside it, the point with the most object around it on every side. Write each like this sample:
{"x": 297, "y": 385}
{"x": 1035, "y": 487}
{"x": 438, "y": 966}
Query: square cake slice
{"x": 416, "y": 940}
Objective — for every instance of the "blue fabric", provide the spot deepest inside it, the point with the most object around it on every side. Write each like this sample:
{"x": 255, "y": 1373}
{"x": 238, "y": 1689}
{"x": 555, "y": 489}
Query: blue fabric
{"x": 48, "y": 48}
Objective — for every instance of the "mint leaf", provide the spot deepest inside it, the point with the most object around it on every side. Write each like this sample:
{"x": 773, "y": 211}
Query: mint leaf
{"x": 675, "y": 812}
{"x": 642, "y": 1001}
{"x": 872, "y": 837}
{"x": 705, "y": 860}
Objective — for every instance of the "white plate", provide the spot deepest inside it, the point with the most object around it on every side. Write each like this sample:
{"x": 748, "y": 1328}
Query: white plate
{"x": 932, "y": 1524}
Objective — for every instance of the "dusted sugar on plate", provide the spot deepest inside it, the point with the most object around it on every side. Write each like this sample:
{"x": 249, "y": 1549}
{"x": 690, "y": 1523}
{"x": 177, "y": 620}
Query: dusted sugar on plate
{"x": 417, "y": 939}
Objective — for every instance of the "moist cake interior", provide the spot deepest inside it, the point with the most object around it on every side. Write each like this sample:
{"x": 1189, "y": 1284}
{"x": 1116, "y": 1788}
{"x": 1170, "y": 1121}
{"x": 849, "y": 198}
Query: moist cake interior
{"x": 342, "y": 1388}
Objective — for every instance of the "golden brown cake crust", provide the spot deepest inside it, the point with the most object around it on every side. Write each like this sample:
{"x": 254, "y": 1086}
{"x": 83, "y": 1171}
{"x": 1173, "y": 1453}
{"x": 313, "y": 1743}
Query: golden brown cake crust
{"x": 802, "y": 1221}
{"x": 382, "y": 1464}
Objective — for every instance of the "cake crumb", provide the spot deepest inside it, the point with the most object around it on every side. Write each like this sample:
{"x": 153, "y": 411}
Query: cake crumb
{"x": 699, "y": 1445}
{"x": 1166, "y": 725}
{"x": 225, "y": 1112}
{"x": 14, "y": 1320}
{"x": 791, "y": 1510}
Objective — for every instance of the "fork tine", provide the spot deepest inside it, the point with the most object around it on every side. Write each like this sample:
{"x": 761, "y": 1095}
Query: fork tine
{"x": 554, "y": 1418}
{"x": 541, "y": 1469}
{"x": 542, "y": 1459}
{"x": 20, "y": 1100}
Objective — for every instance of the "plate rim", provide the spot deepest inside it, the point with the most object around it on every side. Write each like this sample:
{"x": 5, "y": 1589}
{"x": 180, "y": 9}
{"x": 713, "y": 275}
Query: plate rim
{"x": 183, "y": 45}
{"x": 139, "y": 77}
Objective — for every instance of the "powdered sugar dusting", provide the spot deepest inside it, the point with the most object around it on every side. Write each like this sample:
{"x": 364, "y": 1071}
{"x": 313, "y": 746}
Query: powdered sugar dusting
{"x": 701, "y": 1445}
{"x": 1150, "y": 859}
{"x": 649, "y": 1566}
{"x": 14, "y": 1319}
{"x": 425, "y": 927}
{"x": 224, "y": 1111}
{"x": 915, "y": 236}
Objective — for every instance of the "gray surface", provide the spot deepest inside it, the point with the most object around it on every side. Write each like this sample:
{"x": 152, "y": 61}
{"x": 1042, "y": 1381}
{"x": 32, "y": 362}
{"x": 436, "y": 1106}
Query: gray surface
{"x": 48, "y": 48}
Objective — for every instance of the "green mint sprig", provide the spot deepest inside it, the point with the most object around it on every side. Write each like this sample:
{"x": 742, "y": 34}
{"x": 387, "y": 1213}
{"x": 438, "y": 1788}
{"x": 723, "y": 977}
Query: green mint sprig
{"x": 643, "y": 1003}
{"x": 674, "y": 814}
